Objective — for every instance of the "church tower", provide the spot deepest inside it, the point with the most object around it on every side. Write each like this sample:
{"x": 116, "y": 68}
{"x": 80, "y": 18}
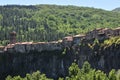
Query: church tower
{"x": 13, "y": 37}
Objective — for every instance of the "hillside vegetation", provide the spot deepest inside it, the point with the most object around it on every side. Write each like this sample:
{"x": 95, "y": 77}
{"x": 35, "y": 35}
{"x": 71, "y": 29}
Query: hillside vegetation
{"x": 52, "y": 22}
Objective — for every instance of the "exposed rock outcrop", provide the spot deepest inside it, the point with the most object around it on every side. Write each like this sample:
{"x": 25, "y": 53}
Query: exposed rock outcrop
{"x": 54, "y": 58}
{"x": 53, "y": 62}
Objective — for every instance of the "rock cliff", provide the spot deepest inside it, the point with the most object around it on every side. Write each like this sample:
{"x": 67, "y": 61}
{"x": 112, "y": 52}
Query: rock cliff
{"x": 54, "y": 60}
{"x": 27, "y": 47}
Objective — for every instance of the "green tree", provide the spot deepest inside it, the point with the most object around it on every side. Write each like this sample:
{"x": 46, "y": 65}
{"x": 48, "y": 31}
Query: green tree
{"x": 86, "y": 67}
{"x": 112, "y": 75}
{"x": 34, "y": 76}
{"x": 74, "y": 69}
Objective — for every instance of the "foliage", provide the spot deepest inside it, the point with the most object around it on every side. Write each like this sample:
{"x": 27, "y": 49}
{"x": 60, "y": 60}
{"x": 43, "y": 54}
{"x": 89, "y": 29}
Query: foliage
{"x": 34, "y": 76}
{"x": 86, "y": 67}
{"x": 52, "y": 22}
{"x": 112, "y": 41}
{"x": 112, "y": 75}
{"x": 87, "y": 73}
{"x": 73, "y": 69}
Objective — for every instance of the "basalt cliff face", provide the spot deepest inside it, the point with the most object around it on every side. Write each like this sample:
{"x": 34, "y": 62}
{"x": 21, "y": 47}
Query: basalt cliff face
{"x": 54, "y": 60}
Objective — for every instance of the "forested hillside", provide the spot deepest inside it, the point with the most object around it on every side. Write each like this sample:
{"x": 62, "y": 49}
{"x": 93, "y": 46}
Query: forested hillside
{"x": 52, "y": 22}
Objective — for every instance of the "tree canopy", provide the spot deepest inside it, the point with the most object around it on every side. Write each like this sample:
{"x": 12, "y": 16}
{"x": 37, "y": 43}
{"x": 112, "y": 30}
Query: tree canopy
{"x": 52, "y": 22}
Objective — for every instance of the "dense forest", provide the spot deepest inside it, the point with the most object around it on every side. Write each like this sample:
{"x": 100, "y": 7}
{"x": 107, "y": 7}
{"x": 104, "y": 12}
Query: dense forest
{"x": 75, "y": 73}
{"x": 52, "y": 22}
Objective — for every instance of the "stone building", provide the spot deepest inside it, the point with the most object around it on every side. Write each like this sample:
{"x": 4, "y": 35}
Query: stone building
{"x": 77, "y": 39}
{"x": 108, "y": 32}
{"x": 92, "y": 34}
{"x": 99, "y": 33}
{"x": 67, "y": 41}
{"x": 105, "y": 33}
{"x": 13, "y": 37}
{"x": 116, "y": 32}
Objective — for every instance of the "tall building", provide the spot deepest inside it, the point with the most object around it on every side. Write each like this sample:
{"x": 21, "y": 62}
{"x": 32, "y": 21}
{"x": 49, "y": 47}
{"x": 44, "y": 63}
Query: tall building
{"x": 13, "y": 37}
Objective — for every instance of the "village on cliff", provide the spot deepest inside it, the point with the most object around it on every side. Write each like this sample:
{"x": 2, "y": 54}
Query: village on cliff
{"x": 23, "y": 47}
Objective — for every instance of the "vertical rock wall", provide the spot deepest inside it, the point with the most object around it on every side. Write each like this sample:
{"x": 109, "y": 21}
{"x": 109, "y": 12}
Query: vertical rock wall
{"x": 55, "y": 64}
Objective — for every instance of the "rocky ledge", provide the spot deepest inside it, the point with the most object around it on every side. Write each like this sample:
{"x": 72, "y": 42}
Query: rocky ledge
{"x": 26, "y": 47}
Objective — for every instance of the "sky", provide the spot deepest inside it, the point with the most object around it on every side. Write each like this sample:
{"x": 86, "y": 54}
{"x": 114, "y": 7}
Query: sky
{"x": 103, "y": 4}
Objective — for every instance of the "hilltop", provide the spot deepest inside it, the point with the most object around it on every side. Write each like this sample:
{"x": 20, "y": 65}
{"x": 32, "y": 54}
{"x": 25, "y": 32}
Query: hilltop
{"x": 116, "y": 9}
{"x": 51, "y": 22}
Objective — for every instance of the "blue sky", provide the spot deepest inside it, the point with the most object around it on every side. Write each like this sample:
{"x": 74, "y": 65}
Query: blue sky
{"x": 103, "y": 4}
